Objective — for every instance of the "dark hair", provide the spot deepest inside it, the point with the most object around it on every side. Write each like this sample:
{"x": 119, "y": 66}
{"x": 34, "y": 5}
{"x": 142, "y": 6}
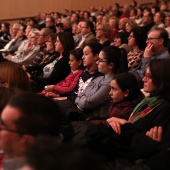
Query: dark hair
{"x": 53, "y": 37}
{"x": 39, "y": 115}
{"x": 5, "y": 95}
{"x": 123, "y": 36}
{"x": 162, "y": 34}
{"x": 78, "y": 53}
{"x": 127, "y": 81}
{"x": 140, "y": 36}
{"x": 7, "y": 26}
{"x": 47, "y": 154}
{"x": 52, "y": 19}
{"x": 160, "y": 70}
{"x": 90, "y": 25}
{"x": 95, "y": 47}
{"x": 67, "y": 41}
{"x": 113, "y": 54}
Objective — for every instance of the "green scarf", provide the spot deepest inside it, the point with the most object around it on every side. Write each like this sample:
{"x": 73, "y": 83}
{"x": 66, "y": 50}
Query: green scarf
{"x": 145, "y": 107}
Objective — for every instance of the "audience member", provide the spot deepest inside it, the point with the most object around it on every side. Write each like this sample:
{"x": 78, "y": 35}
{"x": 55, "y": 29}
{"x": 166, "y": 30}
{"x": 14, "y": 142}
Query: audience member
{"x": 19, "y": 127}
{"x": 87, "y": 29}
{"x": 13, "y": 76}
{"x": 69, "y": 83}
{"x": 103, "y": 31}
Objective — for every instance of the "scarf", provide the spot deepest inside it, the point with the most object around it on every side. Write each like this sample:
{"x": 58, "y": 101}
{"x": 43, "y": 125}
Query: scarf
{"x": 146, "y": 106}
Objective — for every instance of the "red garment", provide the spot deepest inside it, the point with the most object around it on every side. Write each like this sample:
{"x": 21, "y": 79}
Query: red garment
{"x": 112, "y": 35}
{"x": 68, "y": 83}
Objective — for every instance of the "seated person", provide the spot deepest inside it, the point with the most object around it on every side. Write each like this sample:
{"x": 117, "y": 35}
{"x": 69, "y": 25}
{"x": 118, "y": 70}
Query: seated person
{"x": 69, "y": 83}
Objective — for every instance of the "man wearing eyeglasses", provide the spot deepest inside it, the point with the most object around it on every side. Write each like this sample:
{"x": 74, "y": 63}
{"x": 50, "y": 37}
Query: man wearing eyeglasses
{"x": 25, "y": 117}
{"x": 156, "y": 48}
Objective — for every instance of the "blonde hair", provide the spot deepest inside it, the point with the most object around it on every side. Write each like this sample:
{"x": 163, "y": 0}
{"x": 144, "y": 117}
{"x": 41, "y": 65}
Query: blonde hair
{"x": 106, "y": 28}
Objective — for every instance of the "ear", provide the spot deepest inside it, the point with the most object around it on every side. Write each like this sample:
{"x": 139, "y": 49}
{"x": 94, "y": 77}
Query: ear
{"x": 126, "y": 93}
{"x": 111, "y": 65}
{"x": 80, "y": 62}
{"x": 28, "y": 140}
{"x": 96, "y": 57}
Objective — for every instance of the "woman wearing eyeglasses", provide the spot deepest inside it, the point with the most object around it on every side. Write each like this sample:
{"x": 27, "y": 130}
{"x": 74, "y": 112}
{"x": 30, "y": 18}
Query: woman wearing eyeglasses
{"x": 124, "y": 138}
{"x": 95, "y": 99}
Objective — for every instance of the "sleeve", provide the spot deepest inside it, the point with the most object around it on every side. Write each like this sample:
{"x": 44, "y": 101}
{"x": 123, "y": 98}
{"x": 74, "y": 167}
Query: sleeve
{"x": 100, "y": 97}
{"x": 61, "y": 70}
{"x": 68, "y": 84}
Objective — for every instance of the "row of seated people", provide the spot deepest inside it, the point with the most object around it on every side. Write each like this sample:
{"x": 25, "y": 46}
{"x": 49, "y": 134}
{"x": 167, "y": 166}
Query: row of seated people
{"x": 125, "y": 138}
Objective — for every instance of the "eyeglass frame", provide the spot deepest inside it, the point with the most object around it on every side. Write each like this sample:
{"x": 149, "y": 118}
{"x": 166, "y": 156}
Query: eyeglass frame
{"x": 100, "y": 60}
{"x": 149, "y": 39}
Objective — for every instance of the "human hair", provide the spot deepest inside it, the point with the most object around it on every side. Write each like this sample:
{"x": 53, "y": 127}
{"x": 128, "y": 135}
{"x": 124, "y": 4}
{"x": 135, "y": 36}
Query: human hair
{"x": 122, "y": 36}
{"x": 132, "y": 24}
{"x": 113, "y": 54}
{"x": 7, "y": 26}
{"x": 51, "y": 19}
{"x": 5, "y": 95}
{"x": 95, "y": 47}
{"x": 127, "y": 81}
{"x": 89, "y": 24}
{"x": 47, "y": 31}
{"x": 140, "y": 40}
{"x": 35, "y": 31}
{"x": 46, "y": 153}
{"x": 78, "y": 53}
{"x": 106, "y": 28}
{"x": 162, "y": 34}
{"x": 14, "y": 76}
{"x": 67, "y": 41}
{"x": 39, "y": 115}
{"x": 160, "y": 70}
{"x": 162, "y": 15}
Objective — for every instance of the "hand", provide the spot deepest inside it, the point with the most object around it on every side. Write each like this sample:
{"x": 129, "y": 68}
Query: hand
{"x": 60, "y": 98}
{"x": 155, "y": 133}
{"x": 24, "y": 68}
{"x": 52, "y": 94}
{"x": 49, "y": 88}
{"x": 116, "y": 123}
{"x": 148, "y": 50}
{"x": 8, "y": 57}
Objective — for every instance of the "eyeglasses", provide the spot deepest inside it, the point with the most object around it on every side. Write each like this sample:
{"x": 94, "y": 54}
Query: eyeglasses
{"x": 41, "y": 35}
{"x": 98, "y": 29}
{"x": 83, "y": 27}
{"x": 100, "y": 60}
{"x": 147, "y": 76}
{"x": 2, "y": 127}
{"x": 149, "y": 39}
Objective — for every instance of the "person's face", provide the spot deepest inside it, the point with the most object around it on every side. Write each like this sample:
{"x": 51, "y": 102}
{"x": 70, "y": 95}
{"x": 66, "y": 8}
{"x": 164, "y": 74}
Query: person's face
{"x": 128, "y": 27}
{"x": 148, "y": 87}
{"x": 28, "y": 29}
{"x": 73, "y": 18}
{"x": 117, "y": 41}
{"x": 41, "y": 38}
{"x": 78, "y": 31}
{"x": 167, "y": 21}
{"x": 14, "y": 30}
{"x": 21, "y": 32}
{"x": 153, "y": 38}
{"x": 50, "y": 45}
{"x": 58, "y": 46}
{"x": 112, "y": 23}
{"x": 146, "y": 17}
{"x": 3, "y": 29}
{"x": 33, "y": 39}
{"x": 84, "y": 28}
{"x": 48, "y": 22}
{"x": 74, "y": 64}
{"x": 99, "y": 31}
{"x": 131, "y": 40}
{"x": 10, "y": 140}
{"x": 102, "y": 64}
{"x": 116, "y": 92}
{"x": 122, "y": 24}
{"x": 157, "y": 18}
{"x": 89, "y": 59}
{"x": 74, "y": 28}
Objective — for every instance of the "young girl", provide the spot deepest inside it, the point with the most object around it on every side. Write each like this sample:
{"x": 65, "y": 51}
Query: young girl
{"x": 71, "y": 80}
